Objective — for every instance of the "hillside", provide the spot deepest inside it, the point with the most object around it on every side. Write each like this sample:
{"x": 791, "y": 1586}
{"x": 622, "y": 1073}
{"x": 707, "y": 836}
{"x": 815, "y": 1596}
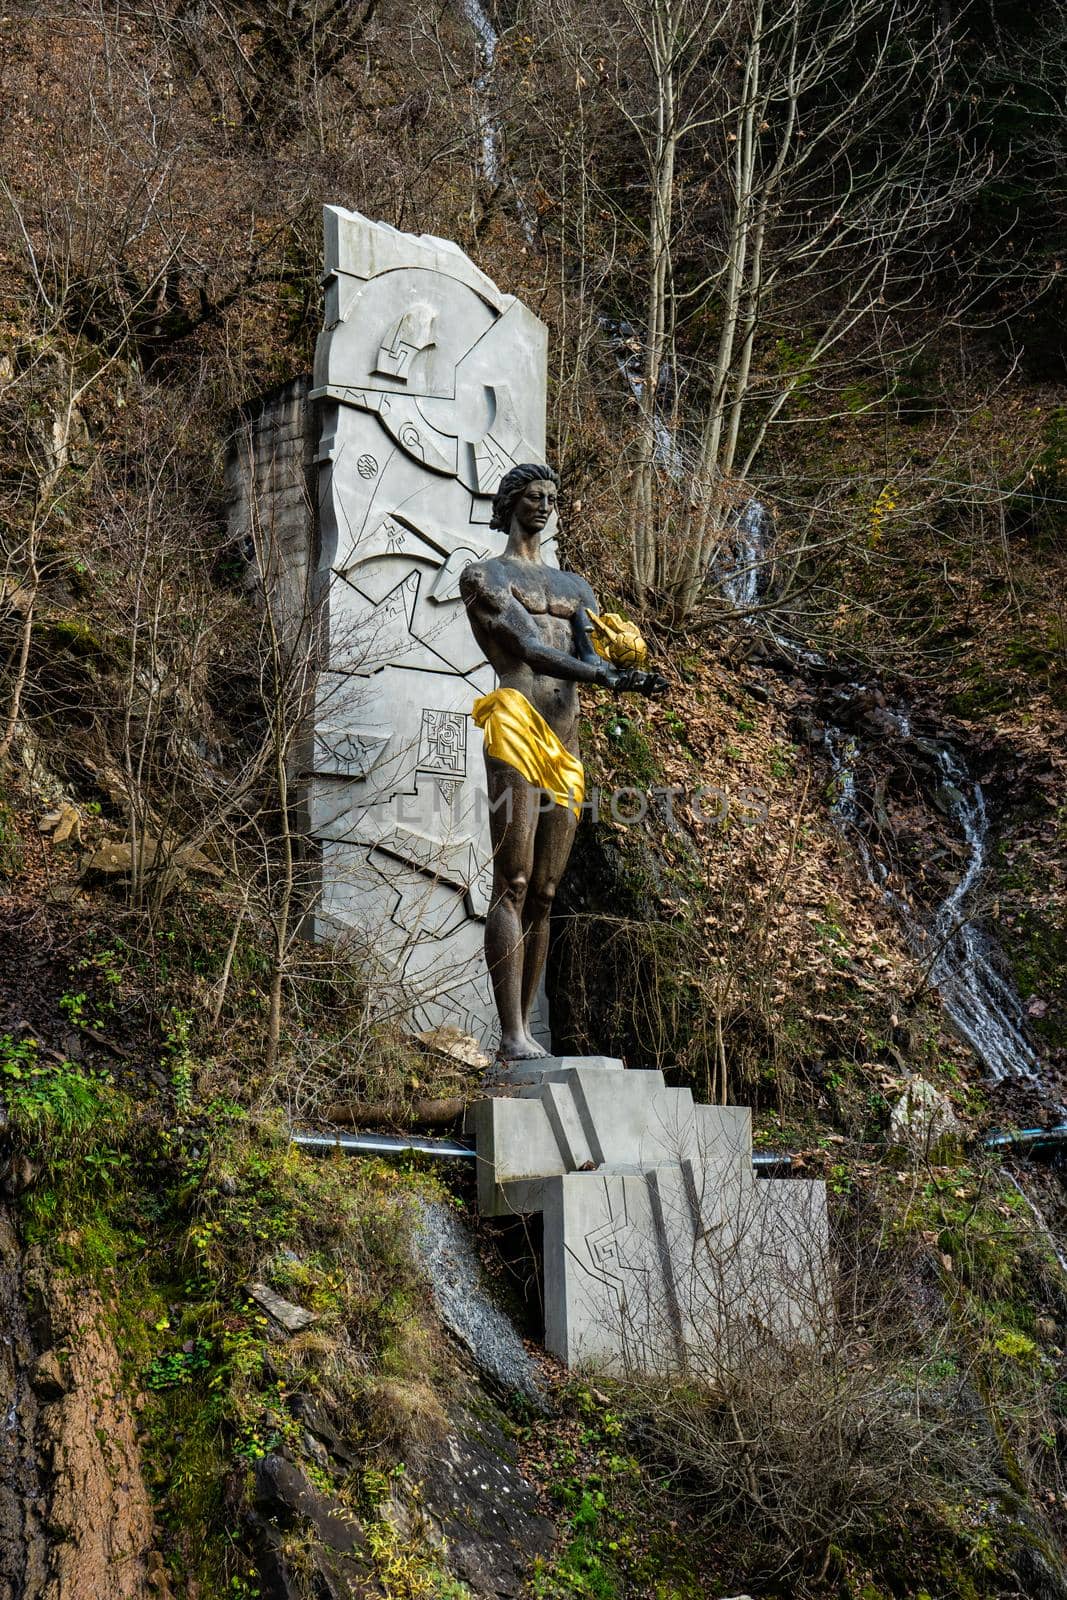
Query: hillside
{"x": 839, "y": 522}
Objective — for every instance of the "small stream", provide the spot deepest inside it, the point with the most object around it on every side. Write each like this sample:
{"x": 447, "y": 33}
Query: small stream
{"x": 962, "y": 959}
{"x": 488, "y": 39}
{"x": 622, "y": 338}
{"x": 493, "y": 169}
{"x": 625, "y": 345}
{"x": 984, "y": 1005}
{"x": 740, "y": 575}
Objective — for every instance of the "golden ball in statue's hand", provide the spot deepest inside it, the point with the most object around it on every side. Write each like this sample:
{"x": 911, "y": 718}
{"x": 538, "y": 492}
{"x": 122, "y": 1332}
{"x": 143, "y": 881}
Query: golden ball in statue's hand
{"x": 617, "y": 640}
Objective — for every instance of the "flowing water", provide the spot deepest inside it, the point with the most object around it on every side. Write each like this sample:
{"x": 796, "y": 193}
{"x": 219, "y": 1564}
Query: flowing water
{"x": 488, "y": 39}
{"x": 739, "y": 575}
{"x": 626, "y": 347}
{"x": 982, "y": 1002}
{"x": 963, "y": 961}
{"x": 492, "y": 166}
{"x": 622, "y": 339}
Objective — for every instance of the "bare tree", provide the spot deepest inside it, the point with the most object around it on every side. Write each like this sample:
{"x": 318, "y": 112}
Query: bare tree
{"x": 801, "y": 167}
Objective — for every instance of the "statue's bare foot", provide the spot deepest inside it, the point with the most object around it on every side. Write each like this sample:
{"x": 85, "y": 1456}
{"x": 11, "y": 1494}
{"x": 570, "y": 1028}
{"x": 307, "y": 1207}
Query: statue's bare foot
{"x": 519, "y": 1047}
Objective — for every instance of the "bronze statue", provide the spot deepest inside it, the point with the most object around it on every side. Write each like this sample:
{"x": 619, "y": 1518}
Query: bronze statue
{"x": 541, "y": 634}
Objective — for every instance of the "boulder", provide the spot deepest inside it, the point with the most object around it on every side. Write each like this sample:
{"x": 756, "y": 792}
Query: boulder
{"x": 452, "y": 1046}
{"x": 923, "y": 1116}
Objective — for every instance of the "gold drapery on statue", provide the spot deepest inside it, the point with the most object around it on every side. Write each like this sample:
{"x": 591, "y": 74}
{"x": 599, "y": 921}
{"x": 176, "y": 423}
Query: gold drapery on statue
{"x": 517, "y": 733}
{"x": 617, "y": 640}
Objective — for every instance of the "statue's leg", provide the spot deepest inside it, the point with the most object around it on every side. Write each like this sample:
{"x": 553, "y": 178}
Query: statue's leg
{"x": 512, "y": 828}
{"x": 552, "y": 847}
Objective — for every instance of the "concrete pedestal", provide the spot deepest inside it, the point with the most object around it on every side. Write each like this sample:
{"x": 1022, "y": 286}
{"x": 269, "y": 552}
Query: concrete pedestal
{"x": 662, "y": 1252}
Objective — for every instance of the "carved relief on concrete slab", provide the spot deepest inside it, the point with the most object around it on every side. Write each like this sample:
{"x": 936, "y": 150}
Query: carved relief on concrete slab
{"x": 431, "y": 384}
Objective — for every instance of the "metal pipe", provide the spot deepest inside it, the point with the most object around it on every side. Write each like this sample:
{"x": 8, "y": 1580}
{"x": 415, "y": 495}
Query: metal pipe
{"x": 772, "y": 1160}
{"x": 1029, "y": 1141}
{"x": 374, "y": 1144}
{"x": 383, "y": 1144}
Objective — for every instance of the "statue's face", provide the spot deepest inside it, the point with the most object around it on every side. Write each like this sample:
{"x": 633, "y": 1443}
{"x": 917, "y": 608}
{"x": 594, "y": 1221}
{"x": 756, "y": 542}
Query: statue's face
{"x": 535, "y": 505}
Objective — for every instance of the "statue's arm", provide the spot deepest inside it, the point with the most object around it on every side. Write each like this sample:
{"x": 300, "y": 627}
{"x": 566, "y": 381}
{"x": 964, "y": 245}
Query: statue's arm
{"x": 583, "y": 631}
{"x": 496, "y": 612}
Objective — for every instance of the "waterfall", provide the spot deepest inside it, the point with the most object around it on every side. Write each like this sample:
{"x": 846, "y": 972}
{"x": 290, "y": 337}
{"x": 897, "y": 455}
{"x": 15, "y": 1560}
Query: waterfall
{"x": 488, "y": 39}
{"x": 983, "y": 1005}
{"x": 739, "y": 575}
{"x": 626, "y": 347}
{"x": 492, "y": 167}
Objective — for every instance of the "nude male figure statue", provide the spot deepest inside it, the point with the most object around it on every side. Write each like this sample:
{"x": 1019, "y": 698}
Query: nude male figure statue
{"x": 533, "y": 622}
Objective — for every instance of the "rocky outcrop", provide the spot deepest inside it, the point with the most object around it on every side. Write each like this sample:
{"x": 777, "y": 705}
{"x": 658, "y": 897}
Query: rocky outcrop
{"x": 295, "y": 1525}
{"x": 23, "y": 1543}
{"x": 476, "y": 1502}
{"x": 75, "y": 1517}
{"x": 473, "y": 1512}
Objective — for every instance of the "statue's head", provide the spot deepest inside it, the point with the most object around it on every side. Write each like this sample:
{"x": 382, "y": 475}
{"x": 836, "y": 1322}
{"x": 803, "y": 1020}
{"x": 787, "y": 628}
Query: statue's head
{"x": 519, "y": 485}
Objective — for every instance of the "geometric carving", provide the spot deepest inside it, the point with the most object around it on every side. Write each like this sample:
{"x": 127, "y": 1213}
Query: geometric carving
{"x": 443, "y": 742}
{"x": 610, "y": 1247}
{"x": 347, "y": 753}
{"x": 447, "y": 788}
{"x": 431, "y": 383}
{"x": 490, "y": 464}
{"x": 409, "y": 436}
{"x": 409, "y": 334}
{"x": 660, "y": 1245}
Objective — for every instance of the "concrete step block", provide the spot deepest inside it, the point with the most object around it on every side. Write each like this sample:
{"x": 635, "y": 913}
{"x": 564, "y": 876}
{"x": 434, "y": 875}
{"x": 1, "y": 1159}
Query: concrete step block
{"x": 528, "y": 1076}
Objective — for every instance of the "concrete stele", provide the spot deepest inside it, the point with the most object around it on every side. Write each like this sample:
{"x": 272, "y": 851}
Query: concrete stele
{"x": 430, "y": 384}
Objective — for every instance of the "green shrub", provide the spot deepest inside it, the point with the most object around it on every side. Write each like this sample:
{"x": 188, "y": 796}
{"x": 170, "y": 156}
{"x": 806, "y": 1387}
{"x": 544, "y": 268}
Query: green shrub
{"x": 51, "y": 1099}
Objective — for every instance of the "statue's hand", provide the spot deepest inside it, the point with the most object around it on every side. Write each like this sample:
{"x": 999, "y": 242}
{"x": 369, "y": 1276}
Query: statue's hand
{"x": 632, "y": 680}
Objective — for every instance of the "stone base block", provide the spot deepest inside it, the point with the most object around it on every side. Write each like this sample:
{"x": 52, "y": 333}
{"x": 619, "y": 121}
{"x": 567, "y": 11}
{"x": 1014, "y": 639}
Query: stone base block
{"x": 651, "y": 1272}
{"x": 662, "y": 1252}
{"x": 530, "y": 1075}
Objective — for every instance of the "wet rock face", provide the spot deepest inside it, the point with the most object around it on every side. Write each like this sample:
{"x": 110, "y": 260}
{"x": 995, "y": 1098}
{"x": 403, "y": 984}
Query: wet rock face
{"x": 335, "y": 1544}
{"x": 465, "y": 1305}
{"x": 488, "y": 1515}
{"x": 1039, "y": 1572}
{"x": 75, "y": 1517}
{"x": 473, "y": 1503}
